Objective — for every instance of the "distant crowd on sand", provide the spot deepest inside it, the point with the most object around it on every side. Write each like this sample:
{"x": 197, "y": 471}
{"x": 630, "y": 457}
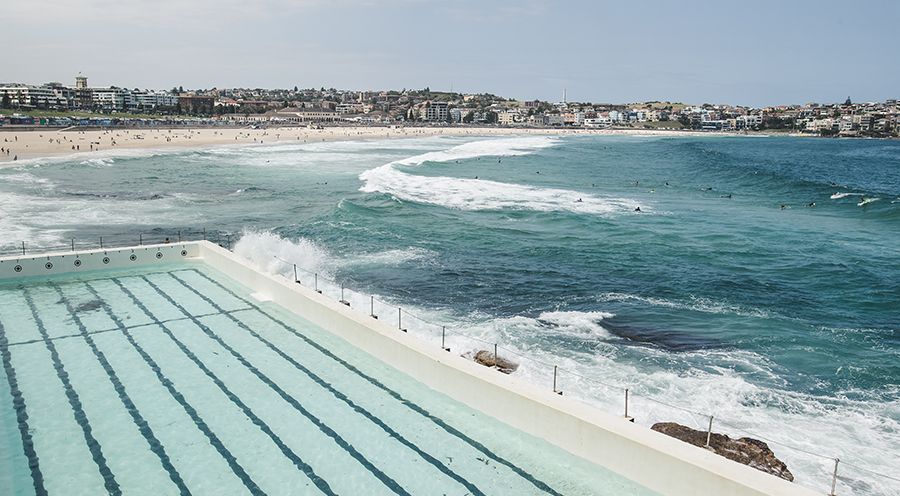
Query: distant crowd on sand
{"x": 47, "y": 142}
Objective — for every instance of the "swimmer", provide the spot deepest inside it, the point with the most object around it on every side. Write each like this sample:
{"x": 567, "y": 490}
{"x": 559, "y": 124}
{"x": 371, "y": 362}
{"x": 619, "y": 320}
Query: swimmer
{"x": 811, "y": 204}
{"x": 637, "y": 209}
{"x": 578, "y": 200}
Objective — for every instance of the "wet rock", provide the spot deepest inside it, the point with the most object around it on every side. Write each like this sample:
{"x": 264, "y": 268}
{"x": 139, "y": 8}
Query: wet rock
{"x": 487, "y": 358}
{"x": 746, "y": 450}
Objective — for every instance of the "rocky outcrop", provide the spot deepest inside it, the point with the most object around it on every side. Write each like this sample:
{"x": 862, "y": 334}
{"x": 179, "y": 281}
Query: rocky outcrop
{"x": 748, "y": 451}
{"x": 488, "y": 359}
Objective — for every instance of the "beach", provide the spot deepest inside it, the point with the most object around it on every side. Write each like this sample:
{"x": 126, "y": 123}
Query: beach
{"x": 32, "y": 144}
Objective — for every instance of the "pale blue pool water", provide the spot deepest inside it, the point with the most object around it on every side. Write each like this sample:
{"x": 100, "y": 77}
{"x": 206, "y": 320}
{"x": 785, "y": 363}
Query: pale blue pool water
{"x": 175, "y": 381}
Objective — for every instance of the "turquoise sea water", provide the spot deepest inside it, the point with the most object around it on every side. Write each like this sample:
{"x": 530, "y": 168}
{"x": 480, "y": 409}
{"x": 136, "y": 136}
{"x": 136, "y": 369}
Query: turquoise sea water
{"x": 781, "y": 322}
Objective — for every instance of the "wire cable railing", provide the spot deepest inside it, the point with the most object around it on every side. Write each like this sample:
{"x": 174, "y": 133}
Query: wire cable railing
{"x": 633, "y": 402}
{"x": 546, "y": 374}
{"x": 222, "y": 238}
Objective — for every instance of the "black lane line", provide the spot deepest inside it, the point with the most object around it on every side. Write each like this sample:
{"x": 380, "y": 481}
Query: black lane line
{"x": 37, "y": 478}
{"x": 337, "y": 394}
{"x": 155, "y": 446}
{"x": 384, "y": 478}
{"x": 109, "y": 480}
{"x": 375, "y": 382}
{"x": 210, "y": 435}
{"x": 285, "y": 450}
{"x": 101, "y": 331}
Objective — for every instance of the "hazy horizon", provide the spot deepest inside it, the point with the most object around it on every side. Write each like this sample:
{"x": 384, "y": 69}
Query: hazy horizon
{"x": 741, "y": 54}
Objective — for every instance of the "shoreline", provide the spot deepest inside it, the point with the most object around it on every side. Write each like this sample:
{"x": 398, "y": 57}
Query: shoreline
{"x": 30, "y": 145}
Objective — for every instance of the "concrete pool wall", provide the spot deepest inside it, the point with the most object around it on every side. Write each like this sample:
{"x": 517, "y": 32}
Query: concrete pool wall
{"x": 651, "y": 459}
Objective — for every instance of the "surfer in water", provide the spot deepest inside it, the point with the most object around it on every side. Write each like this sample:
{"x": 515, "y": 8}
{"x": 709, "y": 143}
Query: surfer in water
{"x": 637, "y": 209}
{"x": 578, "y": 200}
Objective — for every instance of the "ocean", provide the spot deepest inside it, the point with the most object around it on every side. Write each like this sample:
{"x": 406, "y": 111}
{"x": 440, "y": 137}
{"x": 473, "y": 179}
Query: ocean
{"x": 754, "y": 279}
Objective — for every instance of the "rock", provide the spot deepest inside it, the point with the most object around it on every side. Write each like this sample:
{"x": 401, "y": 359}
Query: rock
{"x": 748, "y": 451}
{"x": 488, "y": 359}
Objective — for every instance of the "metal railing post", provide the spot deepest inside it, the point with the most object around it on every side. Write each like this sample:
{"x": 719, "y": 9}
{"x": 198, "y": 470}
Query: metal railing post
{"x": 23, "y": 248}
{"x": 101, "y": 242}
{"x": 495, "y": 356}
{"x": 141, "y": 239}
{"x": 296, "y": 280}
{"x": 73, "y": 244}
{"x": 345, "y": 302}
{"x": 626, "y": 402}
{"x": 316, "y": 282}
{"x": 372, "y": 307}
{"x": 555, "y": 389}
{"x": 400, "y": 319}
{"x": 204, "y": 234}
{"x": 709, "y": 431}
{"x": 444, "y": 338}
{"x": 179, "y": 235}
{"x": 834, "y": 478}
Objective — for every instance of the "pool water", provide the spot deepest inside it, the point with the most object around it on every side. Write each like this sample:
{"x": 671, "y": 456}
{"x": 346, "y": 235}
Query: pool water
{"x": 175, "y": 381}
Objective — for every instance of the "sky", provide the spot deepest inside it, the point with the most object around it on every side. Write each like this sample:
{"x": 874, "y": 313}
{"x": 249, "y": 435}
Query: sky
{"x": 755, "y": 53}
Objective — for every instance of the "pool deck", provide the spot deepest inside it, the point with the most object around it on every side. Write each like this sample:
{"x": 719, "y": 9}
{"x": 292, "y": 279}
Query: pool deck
{"x": 185, "y": 327}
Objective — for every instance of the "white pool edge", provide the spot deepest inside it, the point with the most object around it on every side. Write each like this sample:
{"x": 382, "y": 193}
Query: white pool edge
{"x": 651, "y": 459}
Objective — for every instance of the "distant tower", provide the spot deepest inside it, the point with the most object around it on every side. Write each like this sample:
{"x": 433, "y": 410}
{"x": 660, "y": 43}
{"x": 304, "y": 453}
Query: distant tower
{"x": 80, "y": 82}
{"x": 565, "y": 95}
{"x": 848, "y": 102}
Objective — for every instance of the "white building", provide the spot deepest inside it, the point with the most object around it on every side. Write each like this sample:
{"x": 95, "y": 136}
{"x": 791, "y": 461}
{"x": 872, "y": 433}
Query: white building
{"x": 23, "y": 95}
{"x": 111, "y": 98}
{"x": 148, "y": 99}
{"x": 437, "y": 111}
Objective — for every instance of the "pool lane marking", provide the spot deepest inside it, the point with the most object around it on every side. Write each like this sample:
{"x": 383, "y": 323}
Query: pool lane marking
{"x": 384, "y": 478}
{"x": 375, "y": 382}
{"x": 18, "y": 401}
{"x": 109, "y": 480}
{"x": 101, "y": 331}
{"x": 210, "y": 435}
{"x": 318, "y": 481}
{"x": 155, "y": 445}
{"x": 325, "y": 385}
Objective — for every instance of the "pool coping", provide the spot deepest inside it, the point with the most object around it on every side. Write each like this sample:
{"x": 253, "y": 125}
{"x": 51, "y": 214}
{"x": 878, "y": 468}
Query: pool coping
{"x": 651, "y": 459}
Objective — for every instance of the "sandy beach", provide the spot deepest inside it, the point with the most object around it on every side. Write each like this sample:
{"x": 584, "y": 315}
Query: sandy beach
{"x": 25, "y": 145}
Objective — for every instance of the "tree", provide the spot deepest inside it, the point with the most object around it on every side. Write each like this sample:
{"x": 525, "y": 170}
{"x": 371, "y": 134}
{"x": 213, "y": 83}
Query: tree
{"x": 469, "y": 117}
{"x": 296, "y": 89}
{"x": 684, "y": 120}
{"x": 5, "y": 102}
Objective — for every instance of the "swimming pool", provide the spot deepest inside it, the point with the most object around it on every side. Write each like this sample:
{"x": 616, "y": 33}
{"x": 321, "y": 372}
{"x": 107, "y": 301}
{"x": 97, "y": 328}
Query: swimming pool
{"x": 173, "y": 379}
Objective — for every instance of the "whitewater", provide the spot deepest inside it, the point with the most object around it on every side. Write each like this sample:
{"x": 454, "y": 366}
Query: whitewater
{"x": 710, "y": 300}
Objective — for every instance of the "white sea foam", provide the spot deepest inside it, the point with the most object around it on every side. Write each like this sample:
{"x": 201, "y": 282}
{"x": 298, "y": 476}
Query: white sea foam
{"x": 696, "y": 304}
{"x": 41, "y": 220}
{"x": 709, "y": 382}
{"x": 273, "y": 254}
{"x": 866, "y": 201}
{"x": 838, "y": 196}
{"x": 703, "y": 381}
{"x": 479, "y": 194}
{"x": 392, "y": 257}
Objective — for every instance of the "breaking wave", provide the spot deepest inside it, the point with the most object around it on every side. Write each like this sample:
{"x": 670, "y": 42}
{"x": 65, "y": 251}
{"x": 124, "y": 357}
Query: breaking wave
{"x": 479, "y": 194}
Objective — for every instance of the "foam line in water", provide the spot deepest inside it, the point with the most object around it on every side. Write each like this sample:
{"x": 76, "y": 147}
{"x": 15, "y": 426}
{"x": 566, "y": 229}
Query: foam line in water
{"x": 838, "y": 196}
{"x": 479, "y": 194}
